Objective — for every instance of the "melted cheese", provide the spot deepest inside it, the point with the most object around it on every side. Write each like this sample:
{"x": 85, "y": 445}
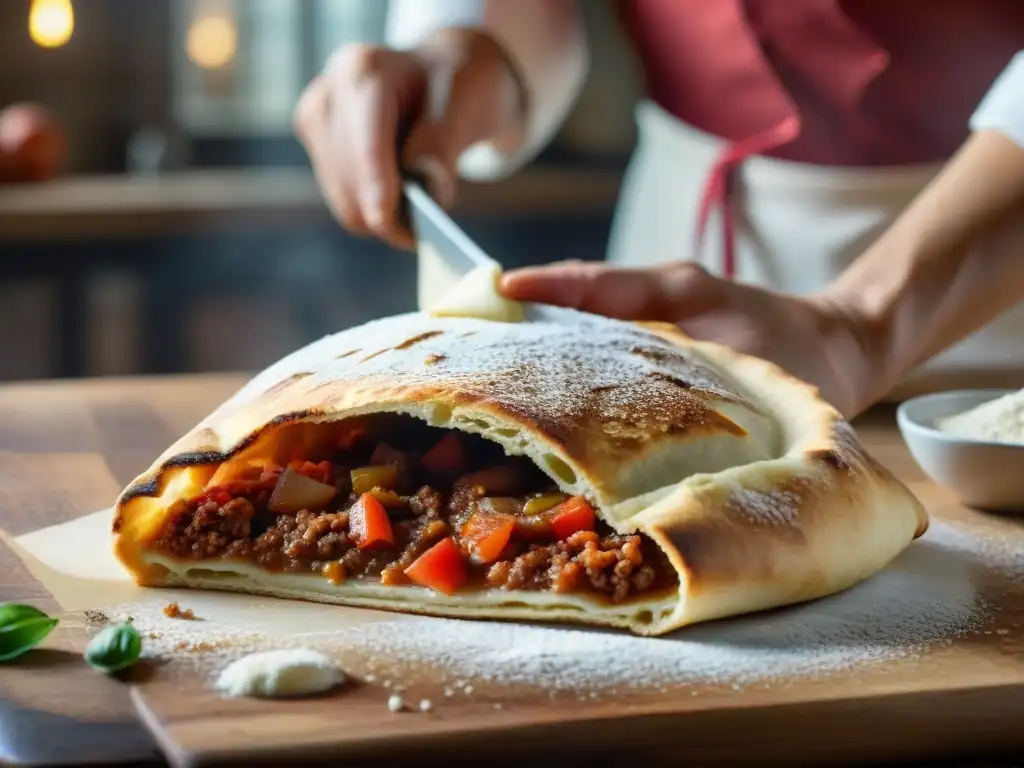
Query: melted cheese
{"x": 435, "y": 277}
{"x": 477, "y": 296}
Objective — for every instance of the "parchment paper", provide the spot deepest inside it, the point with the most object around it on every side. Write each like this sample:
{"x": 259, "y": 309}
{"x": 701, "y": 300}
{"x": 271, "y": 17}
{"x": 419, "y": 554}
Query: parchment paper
{"x": 76, "y": 564}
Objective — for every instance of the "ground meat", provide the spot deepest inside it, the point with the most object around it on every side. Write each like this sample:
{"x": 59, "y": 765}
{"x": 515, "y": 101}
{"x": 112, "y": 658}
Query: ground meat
{"x": 426, "y": 502}
{"x": 208, "y": 531}
{"x": 223, "y": 524}
{"x": 613, "y": 565}
{"x": 175, "y": 611}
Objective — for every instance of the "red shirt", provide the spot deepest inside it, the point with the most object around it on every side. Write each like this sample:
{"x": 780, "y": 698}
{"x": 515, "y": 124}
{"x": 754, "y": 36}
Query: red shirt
{"x": 837, "y": 82}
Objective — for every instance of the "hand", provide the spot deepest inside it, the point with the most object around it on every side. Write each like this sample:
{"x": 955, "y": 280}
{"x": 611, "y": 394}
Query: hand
{"x": 811, "y": 338}
{"x": 454, "y": 91}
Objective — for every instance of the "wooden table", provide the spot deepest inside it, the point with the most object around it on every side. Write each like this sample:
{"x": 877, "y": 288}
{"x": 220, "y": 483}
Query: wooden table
{"x": 51, "y": 434}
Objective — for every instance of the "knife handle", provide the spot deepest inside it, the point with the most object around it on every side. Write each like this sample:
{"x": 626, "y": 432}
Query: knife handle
{"x": 408, "y": 175}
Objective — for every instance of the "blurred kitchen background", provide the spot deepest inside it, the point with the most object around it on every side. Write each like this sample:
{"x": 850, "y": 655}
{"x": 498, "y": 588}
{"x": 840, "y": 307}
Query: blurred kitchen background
{"x": 185, "y": 232}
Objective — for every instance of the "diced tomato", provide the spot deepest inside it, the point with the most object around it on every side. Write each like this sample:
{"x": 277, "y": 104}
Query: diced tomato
{"x": 321, "y": 471}
{"x": 441, "y": 568}
{"x": 218, "y": 495}
{"x": 446, "y": 455}
{"x": 572, "y": 516}
{"x": 488, "y": 535}
{"x": 352, "y": 436}
{"x": 269, "y": 475}
{"x": 368, "y": 523}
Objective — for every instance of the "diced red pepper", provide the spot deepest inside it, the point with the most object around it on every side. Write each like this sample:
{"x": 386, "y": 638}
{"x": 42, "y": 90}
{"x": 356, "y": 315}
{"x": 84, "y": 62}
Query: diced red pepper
{"x": 572, "y": 516}
{"x": 446, "y": 455}
{"x": 368, "y": 523}
{"x": 488, "y": 535}
{"x": 441, "y": 568}
{"x": 321, "y": 471}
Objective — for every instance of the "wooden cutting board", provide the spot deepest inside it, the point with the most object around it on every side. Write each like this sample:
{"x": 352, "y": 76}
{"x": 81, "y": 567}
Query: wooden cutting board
{"x": 952, "y": 699}
{"x": 957, "y": 698}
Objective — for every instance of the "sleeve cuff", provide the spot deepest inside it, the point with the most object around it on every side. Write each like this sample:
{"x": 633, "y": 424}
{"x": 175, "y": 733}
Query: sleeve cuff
{"x": 1002, "y": 109}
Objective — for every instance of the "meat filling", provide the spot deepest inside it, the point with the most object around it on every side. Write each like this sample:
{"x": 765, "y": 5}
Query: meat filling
{"x": 458, "y": 516}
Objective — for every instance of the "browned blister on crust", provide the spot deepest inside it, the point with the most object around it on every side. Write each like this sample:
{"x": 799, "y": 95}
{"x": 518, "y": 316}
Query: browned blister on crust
{"x": 756, "y": 489}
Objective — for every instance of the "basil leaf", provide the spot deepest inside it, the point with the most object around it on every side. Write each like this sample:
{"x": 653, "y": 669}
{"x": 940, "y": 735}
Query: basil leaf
{"x": 115, "y": 648}
{"x": 22, "y": 628}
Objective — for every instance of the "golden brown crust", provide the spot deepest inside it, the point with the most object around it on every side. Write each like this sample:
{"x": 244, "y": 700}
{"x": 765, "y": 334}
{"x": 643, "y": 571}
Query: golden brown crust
{"x": 756, "y": 488}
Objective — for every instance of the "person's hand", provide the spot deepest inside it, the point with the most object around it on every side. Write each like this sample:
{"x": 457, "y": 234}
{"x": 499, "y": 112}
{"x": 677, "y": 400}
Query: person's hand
{"x": 811, "y": 337}
{"x": 450, "y": 93}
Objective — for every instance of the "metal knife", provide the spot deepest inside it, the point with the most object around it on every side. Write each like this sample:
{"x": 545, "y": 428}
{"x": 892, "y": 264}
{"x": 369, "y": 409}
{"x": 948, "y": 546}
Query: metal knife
{"x": 432, "y": 225}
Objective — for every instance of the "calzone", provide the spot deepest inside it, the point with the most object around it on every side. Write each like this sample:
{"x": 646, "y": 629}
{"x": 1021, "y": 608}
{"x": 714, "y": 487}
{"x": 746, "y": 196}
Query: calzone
{"x": 566, "y": 467}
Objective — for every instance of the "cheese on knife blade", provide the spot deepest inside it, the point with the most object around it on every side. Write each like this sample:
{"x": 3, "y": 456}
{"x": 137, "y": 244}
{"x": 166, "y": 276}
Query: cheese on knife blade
{"x": 435, "y": 277}
{"x": 477, "y": 296}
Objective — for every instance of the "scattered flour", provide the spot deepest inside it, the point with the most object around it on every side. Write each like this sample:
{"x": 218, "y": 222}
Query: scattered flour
{"x": 928, "y": 596}
{"x": 280, "y": 674}
{"x": 997, "y": 421}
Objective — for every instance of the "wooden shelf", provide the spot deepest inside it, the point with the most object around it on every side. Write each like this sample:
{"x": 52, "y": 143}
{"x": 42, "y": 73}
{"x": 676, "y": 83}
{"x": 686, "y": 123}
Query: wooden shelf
{"x": 100, "y": 207}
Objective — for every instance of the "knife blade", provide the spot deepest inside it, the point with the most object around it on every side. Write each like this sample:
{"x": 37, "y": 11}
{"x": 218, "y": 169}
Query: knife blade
{"x": 430, "y": 224}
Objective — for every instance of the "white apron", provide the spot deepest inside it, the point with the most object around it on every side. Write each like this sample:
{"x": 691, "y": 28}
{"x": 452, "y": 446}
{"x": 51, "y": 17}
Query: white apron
{"x": 797, "y": 226}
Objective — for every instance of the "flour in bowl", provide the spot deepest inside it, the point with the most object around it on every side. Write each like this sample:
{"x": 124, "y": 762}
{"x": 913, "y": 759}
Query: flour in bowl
{"x": 996, "y": 421}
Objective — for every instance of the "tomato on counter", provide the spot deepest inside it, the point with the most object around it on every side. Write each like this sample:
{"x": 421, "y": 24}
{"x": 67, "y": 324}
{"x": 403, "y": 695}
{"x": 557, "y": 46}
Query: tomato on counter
{"x": 33, "y": 144}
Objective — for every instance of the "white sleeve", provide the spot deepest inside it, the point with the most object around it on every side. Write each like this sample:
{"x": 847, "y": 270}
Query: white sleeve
{"x": 1002, "y": 109}
{"x": 545, "y": 40}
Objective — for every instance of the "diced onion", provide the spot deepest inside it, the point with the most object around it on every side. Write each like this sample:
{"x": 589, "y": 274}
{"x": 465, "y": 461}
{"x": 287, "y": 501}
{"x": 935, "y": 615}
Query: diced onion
{"x": 294, "y": 492}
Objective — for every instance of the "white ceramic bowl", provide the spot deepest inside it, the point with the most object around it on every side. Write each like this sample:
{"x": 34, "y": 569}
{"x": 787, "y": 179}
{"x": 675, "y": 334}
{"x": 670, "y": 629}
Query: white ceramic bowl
{"x": 982, "y": 474}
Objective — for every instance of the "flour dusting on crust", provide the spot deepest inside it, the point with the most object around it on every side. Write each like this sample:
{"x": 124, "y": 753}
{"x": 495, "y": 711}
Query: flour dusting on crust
{"x": 616, "y": 372}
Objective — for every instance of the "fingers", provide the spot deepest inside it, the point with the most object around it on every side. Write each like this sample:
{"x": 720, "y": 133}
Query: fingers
{"x": 369, "y": 125}
{"x": 668, "y": 293}
{"x": 429, "y": 148}
{"x": 317, "y": 132}
{"x": 348, "y": 122}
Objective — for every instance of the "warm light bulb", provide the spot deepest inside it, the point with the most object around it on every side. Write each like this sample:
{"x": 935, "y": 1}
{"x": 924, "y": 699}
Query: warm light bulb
{"x": 212, "y": 41}
{"x": 51, "y": 22}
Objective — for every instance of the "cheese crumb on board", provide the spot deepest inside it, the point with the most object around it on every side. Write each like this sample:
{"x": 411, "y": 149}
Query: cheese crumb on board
{"x": 426, "y": 705}
{"x": 395, "y": 703}
{"x": 280, "y": 674}
{"x": 997, "y": 421}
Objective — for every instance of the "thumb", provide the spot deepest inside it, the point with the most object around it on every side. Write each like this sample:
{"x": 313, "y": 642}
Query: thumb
{"x": 628, "y": 294}
{"x": 668, "y": 293}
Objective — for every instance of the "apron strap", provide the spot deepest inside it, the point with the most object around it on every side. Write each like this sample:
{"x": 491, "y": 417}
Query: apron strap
{"x": 719, "y": 184}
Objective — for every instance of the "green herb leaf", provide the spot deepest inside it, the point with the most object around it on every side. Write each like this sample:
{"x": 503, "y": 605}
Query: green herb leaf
{"x": 115, "y": 648}
{"x": 22, "y": 628}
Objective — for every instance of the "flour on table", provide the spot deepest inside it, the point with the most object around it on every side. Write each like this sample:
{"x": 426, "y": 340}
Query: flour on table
{"x": 997, "y": 421}
{"x": 926, "y": 597}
